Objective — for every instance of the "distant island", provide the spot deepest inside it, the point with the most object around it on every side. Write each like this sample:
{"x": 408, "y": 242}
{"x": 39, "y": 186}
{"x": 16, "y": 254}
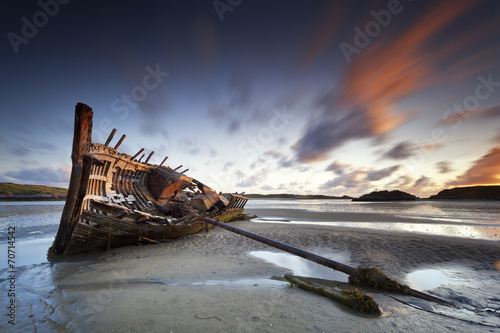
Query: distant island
{"x": 294, "y": 196}
{"x": 469, "y": 193}
{"x": 19, "y": 192}
{"x": 386, "y": 196}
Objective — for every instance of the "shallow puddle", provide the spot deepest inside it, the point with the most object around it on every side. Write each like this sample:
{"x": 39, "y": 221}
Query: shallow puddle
{"x": 301, "y": 266}
{"x": 427, "y": 279}
{"x": 28, "y": 252}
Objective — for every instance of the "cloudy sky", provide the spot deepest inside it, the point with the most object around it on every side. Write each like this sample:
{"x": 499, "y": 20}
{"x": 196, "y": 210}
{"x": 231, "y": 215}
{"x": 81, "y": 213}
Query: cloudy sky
{"x": 331, "y": 97}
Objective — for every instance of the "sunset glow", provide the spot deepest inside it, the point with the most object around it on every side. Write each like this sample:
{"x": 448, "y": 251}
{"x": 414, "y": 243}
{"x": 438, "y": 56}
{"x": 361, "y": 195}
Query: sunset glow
{"x": 333, "y": 97}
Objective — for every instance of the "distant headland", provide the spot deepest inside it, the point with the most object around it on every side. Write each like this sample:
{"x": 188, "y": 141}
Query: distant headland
{"x": 19, "y": 192}
{"x": 457, "y": 193}
{"x": 469, "y": 193}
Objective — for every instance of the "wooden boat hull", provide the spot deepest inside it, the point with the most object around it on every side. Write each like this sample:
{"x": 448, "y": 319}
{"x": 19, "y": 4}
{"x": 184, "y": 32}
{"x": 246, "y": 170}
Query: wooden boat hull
{"x": 113, "y": 233}
{"x": 114, "y": 199}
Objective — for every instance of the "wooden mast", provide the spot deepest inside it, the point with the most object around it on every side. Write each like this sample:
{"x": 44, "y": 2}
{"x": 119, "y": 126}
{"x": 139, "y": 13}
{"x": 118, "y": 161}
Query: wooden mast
{"x": 80, "y": 172}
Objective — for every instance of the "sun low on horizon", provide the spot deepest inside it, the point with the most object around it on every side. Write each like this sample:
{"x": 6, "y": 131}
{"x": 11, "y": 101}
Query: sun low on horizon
{"x": 331, "y": 97}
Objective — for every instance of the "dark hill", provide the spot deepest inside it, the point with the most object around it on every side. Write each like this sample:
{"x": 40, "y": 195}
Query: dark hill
{"x": 386, "y": 196}
{"x": 469, "y": 193}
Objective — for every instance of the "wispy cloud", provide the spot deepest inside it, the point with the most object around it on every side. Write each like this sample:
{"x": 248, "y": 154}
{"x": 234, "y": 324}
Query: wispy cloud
{"x": 337, "y": 167}
{"x": 365, "y": 104}
{"x": 444, "y": 167}
{"x": 254, "y": 180}
{"x": 44, "y": 175}
{"x": 423, "y": 181}
{"x": 484, "y": 171}
{"x": 152, "y": 128}
{"x": 381, "y": 174}
{"x": 400, "y": 151}
{"x": 325, "y": 33}
{"x": 484, "y": 114}
{"x": 358, "y": 178}
{"x": 354, "y": 179}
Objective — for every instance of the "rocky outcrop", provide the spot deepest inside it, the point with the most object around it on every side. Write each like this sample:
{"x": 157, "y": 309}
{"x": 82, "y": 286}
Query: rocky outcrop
{"x": 469, "y": 193}
{"x": 386, "y": 196}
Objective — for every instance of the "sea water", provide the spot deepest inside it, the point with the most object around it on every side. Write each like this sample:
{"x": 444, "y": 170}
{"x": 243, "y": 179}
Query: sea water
{"x": 36, "y": 225}
{"x": 474, "y": 219}
{"x": 36, "y": 222}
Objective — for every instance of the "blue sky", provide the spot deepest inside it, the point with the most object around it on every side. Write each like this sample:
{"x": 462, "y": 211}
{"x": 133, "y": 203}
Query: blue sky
{"x": 326, "y": 97}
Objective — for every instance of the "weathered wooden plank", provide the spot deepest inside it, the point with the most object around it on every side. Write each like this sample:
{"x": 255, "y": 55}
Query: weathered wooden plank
{"x": 81, "y": 141}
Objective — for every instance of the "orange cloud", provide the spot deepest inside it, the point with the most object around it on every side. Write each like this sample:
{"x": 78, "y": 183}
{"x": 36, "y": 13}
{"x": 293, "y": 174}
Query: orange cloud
{"x": 489, "y": 113}
{"x": 325, "y": 33}
{"x": 383, "y": 74}
{"x": 484, "y": 171}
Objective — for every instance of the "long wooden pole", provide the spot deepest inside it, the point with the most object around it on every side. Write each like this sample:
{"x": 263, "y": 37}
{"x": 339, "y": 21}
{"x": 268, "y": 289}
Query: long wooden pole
{"x": 351, "y": 271}
{"x": 287, "y": 248}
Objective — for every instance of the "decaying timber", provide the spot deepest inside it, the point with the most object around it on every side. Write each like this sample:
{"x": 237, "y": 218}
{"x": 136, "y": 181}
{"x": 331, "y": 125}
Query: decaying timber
{"x": 352, "y": 298}
{"x": 114, "y": 199}
{"x": 363, "y": 277}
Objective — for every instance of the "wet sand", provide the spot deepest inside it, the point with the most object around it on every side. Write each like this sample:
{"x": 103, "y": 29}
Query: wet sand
{"x": 211, "y": 282}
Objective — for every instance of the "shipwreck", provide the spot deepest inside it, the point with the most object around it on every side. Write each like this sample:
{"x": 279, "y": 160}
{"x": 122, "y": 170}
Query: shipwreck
{"x": 115, "y": 199}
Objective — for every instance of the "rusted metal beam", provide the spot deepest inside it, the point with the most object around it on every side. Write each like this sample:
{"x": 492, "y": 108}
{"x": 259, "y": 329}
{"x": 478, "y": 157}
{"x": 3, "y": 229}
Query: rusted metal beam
{"x": 140, "y": 151}
{"x": 110, "y": 137}
{"x": 149, "y": 156}
{"x": 120, "y": 142}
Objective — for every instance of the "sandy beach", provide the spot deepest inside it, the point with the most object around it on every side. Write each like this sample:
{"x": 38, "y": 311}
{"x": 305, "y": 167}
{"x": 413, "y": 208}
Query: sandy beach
{"x": 216, "y": 282}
